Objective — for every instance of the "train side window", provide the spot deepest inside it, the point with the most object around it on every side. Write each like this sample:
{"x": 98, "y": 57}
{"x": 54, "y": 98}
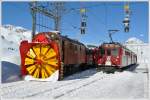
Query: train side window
{"x": 108, "y": 52}
{"x": 115, "y": 52}
{"x": 102, "y": 51}
{"x": 71, "y": 46}
{"x": 80, "y": 48}
{"x": 75, "y": 47}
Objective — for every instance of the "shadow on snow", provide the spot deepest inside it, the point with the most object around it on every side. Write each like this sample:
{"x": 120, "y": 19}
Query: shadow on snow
{"x": 10, "y": 72}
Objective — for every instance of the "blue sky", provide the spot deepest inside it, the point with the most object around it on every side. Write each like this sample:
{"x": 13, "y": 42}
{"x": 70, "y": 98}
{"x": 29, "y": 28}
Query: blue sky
{"x": 102, "y": 16}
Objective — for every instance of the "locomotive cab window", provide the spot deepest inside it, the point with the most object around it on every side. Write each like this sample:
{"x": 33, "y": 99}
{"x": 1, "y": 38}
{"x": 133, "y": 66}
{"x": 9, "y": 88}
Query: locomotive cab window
{"x": 115, "y": 52}
{"x": 102, "y": 51}
{"x": 108, "y": 52}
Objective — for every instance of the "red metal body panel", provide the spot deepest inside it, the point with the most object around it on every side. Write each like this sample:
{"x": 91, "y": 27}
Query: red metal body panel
{"x": 74, "y": 53}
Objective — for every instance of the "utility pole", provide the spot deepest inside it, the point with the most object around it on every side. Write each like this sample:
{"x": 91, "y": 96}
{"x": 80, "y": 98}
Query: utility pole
{"x": 58, "y": 6}
{"x": 33, "y": 13}
{"x": 53, "y": 11}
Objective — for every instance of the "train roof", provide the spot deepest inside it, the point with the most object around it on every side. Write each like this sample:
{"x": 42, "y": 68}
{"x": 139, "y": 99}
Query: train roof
{"x": 63, "y": 37}
{"x": 117, "y": 43}
{"x": 113, "y": 43}
{"x": 72, "y": 40}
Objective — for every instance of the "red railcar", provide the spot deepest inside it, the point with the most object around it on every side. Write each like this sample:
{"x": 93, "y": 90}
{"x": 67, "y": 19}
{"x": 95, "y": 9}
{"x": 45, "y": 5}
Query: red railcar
{"x": 114, "y": 55}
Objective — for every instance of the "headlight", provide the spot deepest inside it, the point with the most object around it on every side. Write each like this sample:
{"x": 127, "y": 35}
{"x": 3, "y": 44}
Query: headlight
{"x": 52, "y": 36}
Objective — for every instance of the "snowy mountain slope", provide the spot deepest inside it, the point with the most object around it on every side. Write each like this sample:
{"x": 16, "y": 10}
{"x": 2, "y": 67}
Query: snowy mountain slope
{"x": 10, "y": 37}
{"x": 9, "y": 51}
{"x": 134, "y": 40}
{"x": 15, "y": 34}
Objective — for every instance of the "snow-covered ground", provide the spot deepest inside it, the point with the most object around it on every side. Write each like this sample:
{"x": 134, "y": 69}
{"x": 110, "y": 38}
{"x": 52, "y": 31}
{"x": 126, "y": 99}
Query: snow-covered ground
{"x": 86, "y": 85}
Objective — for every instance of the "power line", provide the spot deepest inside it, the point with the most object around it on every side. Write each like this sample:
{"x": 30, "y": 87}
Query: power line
{"x": 97, "y": 18}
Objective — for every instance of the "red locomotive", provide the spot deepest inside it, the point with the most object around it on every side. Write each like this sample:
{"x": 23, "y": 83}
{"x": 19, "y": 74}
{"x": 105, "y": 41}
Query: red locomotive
{"x": 50, "y": 52}
{"x": 114, "y": 56}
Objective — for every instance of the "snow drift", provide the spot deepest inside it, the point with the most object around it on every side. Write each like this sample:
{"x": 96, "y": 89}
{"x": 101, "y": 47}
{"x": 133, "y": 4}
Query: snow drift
{"x": 134, "y": 40}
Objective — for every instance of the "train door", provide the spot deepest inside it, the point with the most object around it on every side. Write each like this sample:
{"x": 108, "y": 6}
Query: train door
{"x": 127, "y": 57}
{"x": 115, "y": 56}
{"x": 63, "y": 57}
{"x": 63, "y": 50}
{"x": 131, "y": 58}
{"x": 124, "y": 58}
{"x": 108, "y": 52}
{"x": 108, "y": 57}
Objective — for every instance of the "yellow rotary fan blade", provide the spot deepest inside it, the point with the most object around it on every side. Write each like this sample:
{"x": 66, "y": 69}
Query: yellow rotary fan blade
{"x": 51, "y": 53}
{"x": 31, "y": 54}
{"x": 29, "y": 61}
{"x": 49, "y": 69}
{"x": 44, "y": 74}
{"x": 53, "y": 64}
{"x": 31, "y": 68}
{"x": 37, "y": 49}
{"x": 36, "y": 73}
{"x": 44, "y": 49}
{"x": 42, "y": 61}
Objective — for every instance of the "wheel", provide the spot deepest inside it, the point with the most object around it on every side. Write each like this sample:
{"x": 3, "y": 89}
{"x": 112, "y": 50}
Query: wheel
{"x": 41, "y": 61}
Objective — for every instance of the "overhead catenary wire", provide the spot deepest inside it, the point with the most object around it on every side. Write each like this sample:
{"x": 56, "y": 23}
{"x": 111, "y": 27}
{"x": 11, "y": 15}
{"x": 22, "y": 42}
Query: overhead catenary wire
{"x": 88, "y": 9}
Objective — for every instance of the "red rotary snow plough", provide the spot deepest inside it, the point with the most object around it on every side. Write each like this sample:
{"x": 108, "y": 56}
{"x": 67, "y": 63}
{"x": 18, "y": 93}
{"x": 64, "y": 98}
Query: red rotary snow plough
{"x": 40, "y": 58}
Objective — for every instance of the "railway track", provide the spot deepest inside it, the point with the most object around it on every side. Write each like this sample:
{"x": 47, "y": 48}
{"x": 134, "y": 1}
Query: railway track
{"x": 30, "y": 85}
{"x": 18, "y": 86}
{"x": 79, "y": 87}
{"x": 66, "y": 89}
{"x": 69, "y": 87}
{"x": 25, "y": 89}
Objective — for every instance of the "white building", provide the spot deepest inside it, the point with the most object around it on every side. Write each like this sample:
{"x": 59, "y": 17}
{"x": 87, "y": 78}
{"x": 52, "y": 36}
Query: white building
{"x": 141, "y": 50}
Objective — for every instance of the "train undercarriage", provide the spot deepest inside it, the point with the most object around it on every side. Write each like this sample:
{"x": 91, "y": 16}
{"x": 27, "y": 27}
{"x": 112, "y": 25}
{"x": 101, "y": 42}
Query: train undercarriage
{"x": 113, "y": 69}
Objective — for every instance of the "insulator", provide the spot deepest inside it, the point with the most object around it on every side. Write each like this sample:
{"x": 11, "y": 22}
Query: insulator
{"x": 126, "y": 22}
{"x": 82, "y": 30}
{"x": 126, "y": 7}
{"x": 82, "y": 10}
{"x": 126, "y": 29}
{"x": 83, "y": 24}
